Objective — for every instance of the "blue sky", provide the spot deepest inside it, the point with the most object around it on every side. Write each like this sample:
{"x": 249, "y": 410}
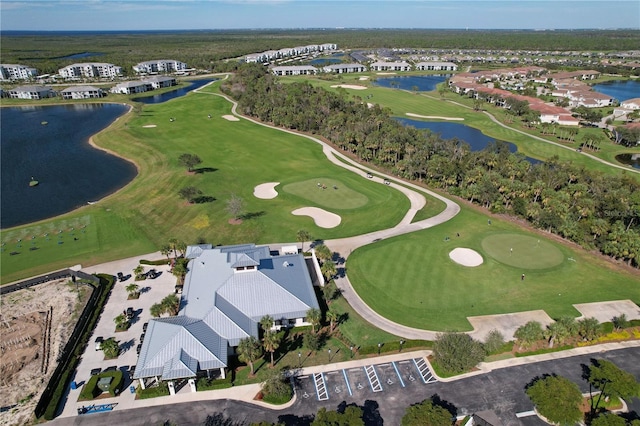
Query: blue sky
{"x": 77, "y": 15}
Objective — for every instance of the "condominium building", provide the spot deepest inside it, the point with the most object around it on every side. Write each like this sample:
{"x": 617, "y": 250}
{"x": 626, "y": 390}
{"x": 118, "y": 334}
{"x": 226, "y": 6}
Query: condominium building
{"x": 90, "y": 70}
{"x": 17, "y": 72}
{"x": 160, "y": 66}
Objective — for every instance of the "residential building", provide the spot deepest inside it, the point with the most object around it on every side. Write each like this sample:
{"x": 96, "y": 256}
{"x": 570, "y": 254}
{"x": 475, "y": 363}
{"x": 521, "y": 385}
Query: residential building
{"x": 344, "y": 68}
{"x": 90, "y": 70}
{"x": 159, "y": 81}
{"x": 436, "y": 66}
{"x": 390, "y": 66}
{"x": 631, "y": 104}
{"x": 82, "y": 92}
{"x": 162, "y": 66}
{"x": 131, "y": 87}
{"x": 227, "y": 291}
{"x": 294, "y": 70}
{"x": 32, "y": 92}
{"x": 17, "y": 72}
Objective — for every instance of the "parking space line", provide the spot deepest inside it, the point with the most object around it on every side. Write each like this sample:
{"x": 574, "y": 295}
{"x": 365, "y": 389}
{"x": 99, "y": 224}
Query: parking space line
{"x": 346, "y": 379}
{"x": 398, "y": 373}
{"x": 321, "y": 387}
{"x": 425, "y": 372}
{"x": 372, "y": 375}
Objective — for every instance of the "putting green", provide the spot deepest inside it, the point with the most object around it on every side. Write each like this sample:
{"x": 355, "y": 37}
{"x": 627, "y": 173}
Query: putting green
{"x": 329, "y": 193}
{"x": 522, "y": 251}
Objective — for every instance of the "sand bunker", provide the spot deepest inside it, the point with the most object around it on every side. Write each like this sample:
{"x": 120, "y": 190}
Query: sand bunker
{"x": 364, "y": 78}
{"x": 266, "y": 191}
{"x": 230, "y": 118}
{"x": 435, "y": 117}
{"x": 149, "y": 126}
{"x": 466, "y": 257}
{"x": 350, "y": 86}
{"x": 386, "y": 73}
{"x": 322, "y": 218}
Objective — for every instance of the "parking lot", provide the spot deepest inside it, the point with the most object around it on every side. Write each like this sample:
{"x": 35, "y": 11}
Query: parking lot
{"x": 152, "y": 291}
{"x": 366, "y": 381}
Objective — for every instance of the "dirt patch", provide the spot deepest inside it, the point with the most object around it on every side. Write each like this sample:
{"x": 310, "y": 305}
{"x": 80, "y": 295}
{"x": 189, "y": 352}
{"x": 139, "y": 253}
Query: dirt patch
{"x": 235, "y": 221}
{"x": 35, "y": 324}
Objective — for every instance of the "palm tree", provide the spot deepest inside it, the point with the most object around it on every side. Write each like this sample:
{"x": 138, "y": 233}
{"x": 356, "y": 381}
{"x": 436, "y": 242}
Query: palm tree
{"x": 314, "y": 316}
{"x": 166, "y": 251}
{"x": 156, "y": 310}
{"x": 179, "y": 271}
{"x": 333, "y": 317}
{"x": 171, "y": 304}
{"x": 302, "y": 236}
{"x": 133, "y": 290}
{"x": 323, "y": 252}
{"x": 271, "y": 342}
{"x": 328, "y": 269}
{"x": 266, "y": 322}
{"x": 249, "y": 350}
{"x": 138, "y": 271}
{"x": 110, "y": 347}
{"x": 121, "y": 322}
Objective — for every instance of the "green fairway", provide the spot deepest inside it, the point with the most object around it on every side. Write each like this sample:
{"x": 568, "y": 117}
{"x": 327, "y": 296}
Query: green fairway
{"x": 522, "y": 251}
{"x": 327, "y": 192}
{"x": 411, "y": 280}
{"x": 236, "y": 156}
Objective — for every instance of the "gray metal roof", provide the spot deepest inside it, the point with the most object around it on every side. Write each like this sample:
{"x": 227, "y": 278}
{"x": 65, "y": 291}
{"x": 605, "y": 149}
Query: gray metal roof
{"x": 81, "y": 89}
{"x": 196, "y": 250}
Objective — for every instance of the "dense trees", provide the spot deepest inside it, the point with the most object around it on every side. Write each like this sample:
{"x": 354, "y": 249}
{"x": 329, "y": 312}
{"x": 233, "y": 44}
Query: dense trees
{"x": 249, "y": 350}
{"x": 556, "y": 398}
{"x": 592, "y": 209}
{"x": 426, "y": 413}
{"x": 457, "y": 352}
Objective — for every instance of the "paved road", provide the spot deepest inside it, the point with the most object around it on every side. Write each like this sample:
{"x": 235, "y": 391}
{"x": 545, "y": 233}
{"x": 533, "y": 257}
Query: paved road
{"x": 501, "y": 390}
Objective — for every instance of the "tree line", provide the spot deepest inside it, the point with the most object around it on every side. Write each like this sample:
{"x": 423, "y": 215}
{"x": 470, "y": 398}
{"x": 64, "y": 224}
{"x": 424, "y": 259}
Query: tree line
{"x": 590, "y": 208}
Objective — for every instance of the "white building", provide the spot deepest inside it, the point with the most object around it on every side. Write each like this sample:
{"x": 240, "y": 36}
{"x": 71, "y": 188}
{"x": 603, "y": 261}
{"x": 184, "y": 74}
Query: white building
{"x": 390, "y": 66}
{"x": 90, "y": 70}
{"x": 344, "y": 68}
{"x": 227, "y": 291}
{"x": 82, "y": 92}
{"x": 131, "y": 87}
{"x": 32, "y": 92}
{"x": 17, "y": 72}
{"x": 436, "y": 66}
{"x": 162, "y": 66}
{"x": 294, "y": 70}
{"x": 159, "y": 81}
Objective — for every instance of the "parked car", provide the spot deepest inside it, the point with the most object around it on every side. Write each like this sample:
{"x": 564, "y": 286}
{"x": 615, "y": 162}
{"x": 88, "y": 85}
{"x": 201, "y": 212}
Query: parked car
{"x": 386, "y": 182}
{"x": 111, "y": 368}
{"x": 152, "y": 274}
{"x": 138, "y": 348}
{"x": 120, "y": 276}
{"x": 369, "y": 175}
{"x": 99, "y": 341}
{"x": 144, "y": 327}
{"x": 129, "y": 312}
{"x": 132, "y": 370}
{"x": 96, "y": 371}
{"x": 142, "y": 337}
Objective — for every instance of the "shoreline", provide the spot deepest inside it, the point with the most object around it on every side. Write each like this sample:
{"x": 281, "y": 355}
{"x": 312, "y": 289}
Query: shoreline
{"x": 92, "y": 143}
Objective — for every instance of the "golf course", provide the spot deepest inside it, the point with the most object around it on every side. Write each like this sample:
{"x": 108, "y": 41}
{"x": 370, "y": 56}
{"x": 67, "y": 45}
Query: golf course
{"x": 283, "y": 180}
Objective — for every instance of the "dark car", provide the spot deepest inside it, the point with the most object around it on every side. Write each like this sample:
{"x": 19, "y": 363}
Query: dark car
{"x": 142, "y": 337}
{"x": 152, "y": 274}
{"x": 139, "y": 348}
{"x": 99, "y": 341}
{"x": 96, "y": 371}
{"x": 144, "y": 326}
{"x": 120, "y": 276}
{"x": 111, "y": 368}
{"x": 132, "y": 370}
{"x": 129, "y": 312}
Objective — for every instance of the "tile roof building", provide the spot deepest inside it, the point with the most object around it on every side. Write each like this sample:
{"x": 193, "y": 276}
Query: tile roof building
{"x": 227, "y": 291}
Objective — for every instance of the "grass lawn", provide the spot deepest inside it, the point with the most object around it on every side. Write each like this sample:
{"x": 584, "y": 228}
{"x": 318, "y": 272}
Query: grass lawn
{"x": 236, "y": 156}
{"x": 410, "y": 279}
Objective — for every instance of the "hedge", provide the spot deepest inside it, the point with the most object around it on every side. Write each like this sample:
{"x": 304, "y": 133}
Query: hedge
{"x": 204, "y": 384}
{"x": 161, "y": 390}
{"x": 92, "y": 391}
{"x": 54, "y": 392}
{"x": 544, "y": 351}
{"x": 154, "y": 262}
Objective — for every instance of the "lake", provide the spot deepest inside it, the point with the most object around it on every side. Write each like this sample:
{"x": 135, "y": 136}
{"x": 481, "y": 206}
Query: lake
{"x": 632, "y": 160}
{"x": 620, "y": 90}
{"x": 167, "y": 96}
{"x": 70, "y": 172}
{"x": 424, "y": 83}
{"x": 475, "y": 138}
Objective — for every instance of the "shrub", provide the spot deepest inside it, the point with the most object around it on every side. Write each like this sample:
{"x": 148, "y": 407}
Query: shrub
{"x": 205, "y": 384}
{"x": 457, "y": 352}
{"x": 153, "y": 392}
{"x": 493, "y": 342}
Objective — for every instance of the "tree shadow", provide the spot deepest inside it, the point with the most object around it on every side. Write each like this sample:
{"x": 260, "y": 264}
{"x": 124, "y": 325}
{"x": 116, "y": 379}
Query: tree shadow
{"x": 204, "y": 199}
{"x": 444, "y": 404}
{"x": 202, "y": 170}
{"x": 293, "y": 420}
{"x": 252, "y": 215}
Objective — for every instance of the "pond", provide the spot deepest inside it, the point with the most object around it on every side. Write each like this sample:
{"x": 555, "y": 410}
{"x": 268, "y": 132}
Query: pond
{"x": 325, "y": 61}
{"x": 50, "y": 145}
{"x": 167, "y": 96}
{"x": 80, "y": 55}
{"x": 620, "y": 90}
{"x": 423, "y": 83}
{"x": 632, "y": 160}
{"x": 475, "y": 138}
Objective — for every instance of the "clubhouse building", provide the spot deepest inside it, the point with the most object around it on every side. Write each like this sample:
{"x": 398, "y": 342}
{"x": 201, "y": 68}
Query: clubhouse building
{"x": 227, "y": 290}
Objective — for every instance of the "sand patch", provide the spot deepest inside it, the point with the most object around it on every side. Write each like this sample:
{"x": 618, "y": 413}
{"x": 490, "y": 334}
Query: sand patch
{"x": 436, "y": 117}
{"x": 149, "y": 126}
{"x": 363, "y": 78}
{"x": 266, "y": 191}
{"x": 230, "y": 118}
{"x": 466, "y": 257}
{"x": 386, "y": 73}
{"x": 322, "y": 218}
{"x": 350, "y": 86}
